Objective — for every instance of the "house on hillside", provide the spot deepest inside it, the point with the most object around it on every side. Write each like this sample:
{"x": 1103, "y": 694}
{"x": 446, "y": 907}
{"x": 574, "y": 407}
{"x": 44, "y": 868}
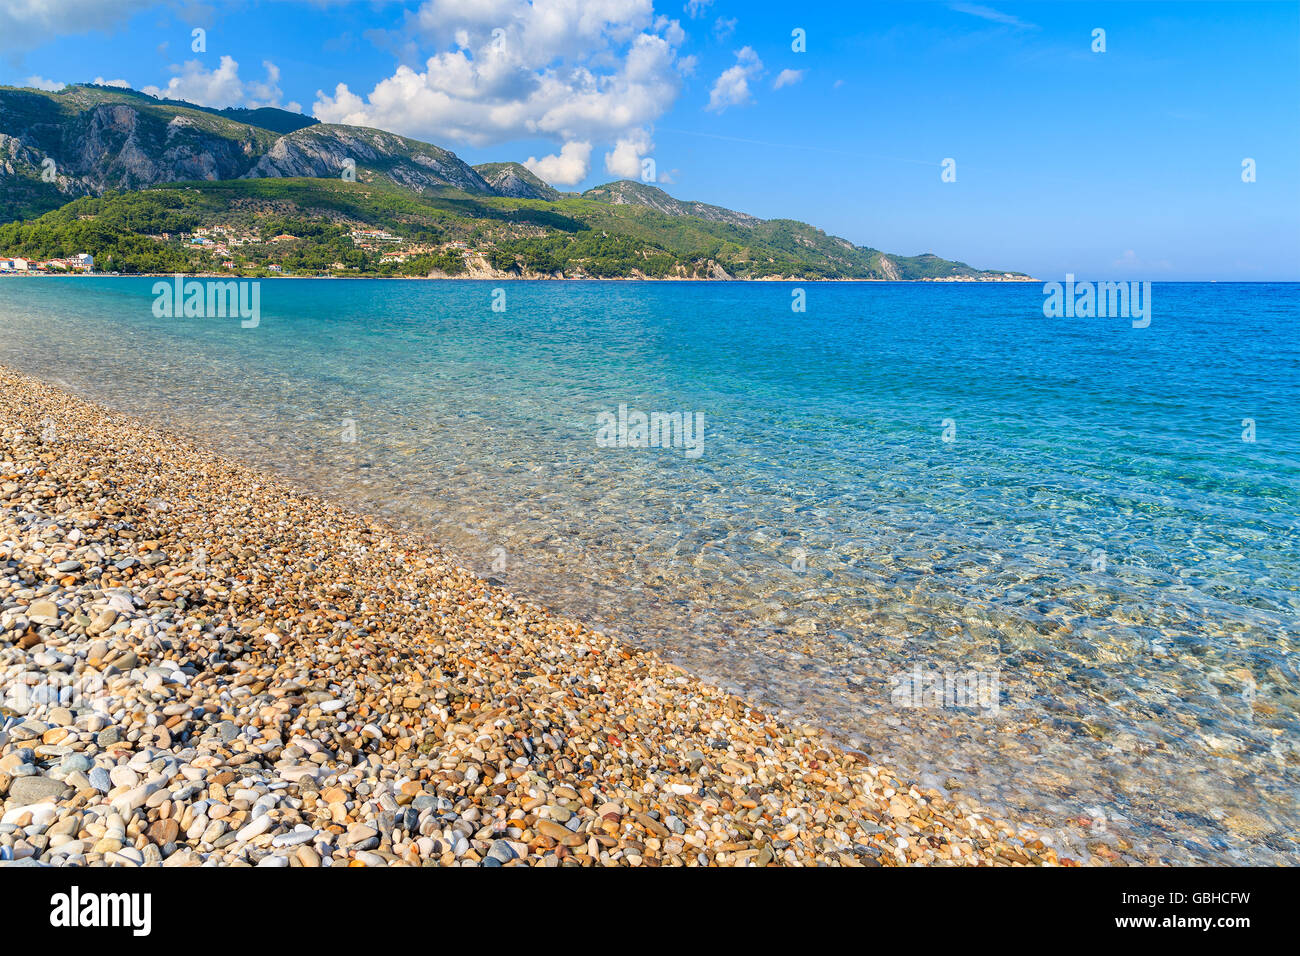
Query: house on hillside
{"x": 78, "y": 263}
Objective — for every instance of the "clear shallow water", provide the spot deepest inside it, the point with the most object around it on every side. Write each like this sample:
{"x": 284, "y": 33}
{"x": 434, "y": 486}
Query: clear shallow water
{"x": 1097, "y": 533}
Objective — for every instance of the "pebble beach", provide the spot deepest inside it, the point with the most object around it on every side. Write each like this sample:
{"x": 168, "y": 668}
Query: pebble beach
{"x": 203, "y": 666}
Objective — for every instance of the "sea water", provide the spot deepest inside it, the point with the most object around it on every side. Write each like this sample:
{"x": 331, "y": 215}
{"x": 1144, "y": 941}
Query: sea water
{"x": 1052, "y": 564}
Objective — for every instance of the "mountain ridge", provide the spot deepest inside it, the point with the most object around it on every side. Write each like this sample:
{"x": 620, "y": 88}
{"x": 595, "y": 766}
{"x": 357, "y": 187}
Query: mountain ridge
{"x": 516, "y": 180}
{"x": 632, "y": 193}
{"x": 90, "y": 142}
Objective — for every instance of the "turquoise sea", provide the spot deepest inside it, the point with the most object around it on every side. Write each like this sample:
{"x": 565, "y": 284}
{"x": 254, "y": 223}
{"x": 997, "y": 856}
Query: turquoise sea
{"x": 908, "y": 485}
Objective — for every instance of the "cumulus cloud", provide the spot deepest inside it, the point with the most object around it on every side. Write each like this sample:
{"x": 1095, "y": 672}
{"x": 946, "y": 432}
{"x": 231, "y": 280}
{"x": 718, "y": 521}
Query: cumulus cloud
{"x": 41, "y": 83}
{"x": 724, "y": 27}
{"x": 123, "y": 84}
{"x": 566, "y": 168}
{"x": 221, "y": 87}
{"x": 696, "y": 8}
{"x": 624, "y": 160}
{"x": 732, "y": 87}
{"x": 572, "y": 71}
{"x": 28, "y": 24}
{"x": 787, "y": 78}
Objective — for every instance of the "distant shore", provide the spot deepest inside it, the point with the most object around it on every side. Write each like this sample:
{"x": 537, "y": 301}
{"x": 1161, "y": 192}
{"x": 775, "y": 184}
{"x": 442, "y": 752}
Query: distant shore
{"x": 476, "y": 278}
{"x": 293, "y": 704}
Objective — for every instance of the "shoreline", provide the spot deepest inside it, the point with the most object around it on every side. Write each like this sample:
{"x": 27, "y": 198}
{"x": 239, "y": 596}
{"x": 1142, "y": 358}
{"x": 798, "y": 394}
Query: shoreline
{"x": 501, "y": 278}
{"x": 265, "y": 678}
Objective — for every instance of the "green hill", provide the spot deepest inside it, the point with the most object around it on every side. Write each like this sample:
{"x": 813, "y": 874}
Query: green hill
{"x": 129, "y": 178}
{"x": 445, "y": 231}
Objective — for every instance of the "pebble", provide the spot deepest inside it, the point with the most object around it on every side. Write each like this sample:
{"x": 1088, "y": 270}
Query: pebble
{"x": 268, "y": 679}
{"x": 256, "y": 828}
{"x": 43, "y": 613}
{"x": 294, "y": 838}
{"x": 36, "y": 789}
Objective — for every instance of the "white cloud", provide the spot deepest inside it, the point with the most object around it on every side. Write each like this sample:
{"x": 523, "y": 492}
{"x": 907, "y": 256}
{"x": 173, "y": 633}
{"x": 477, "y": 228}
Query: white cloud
{"x": 787, "y": 78}
{"x": 221, "y": 87}
{"x": 41, "y": 83}
{"x": 988, "y": 13}
{"x": 732, "y": 87}
{"x": 123, "y": 84}
{"x": 567, "y": 70}
{"x": 28, "y": 24}
{"x": 267, "y": 93}
{"x": 695, "y": 8}
{"x": 565, "y": 169}
{"x": 724, "y": 27}
{"x": 624, "y": 161}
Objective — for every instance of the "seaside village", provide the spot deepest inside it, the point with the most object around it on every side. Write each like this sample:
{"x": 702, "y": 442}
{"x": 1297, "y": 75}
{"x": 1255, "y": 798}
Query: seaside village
{"x": 82, "y": 262}
{"x": 221, "y": 242}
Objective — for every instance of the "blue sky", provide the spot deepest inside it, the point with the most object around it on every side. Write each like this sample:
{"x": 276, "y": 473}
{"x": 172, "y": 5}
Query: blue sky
{"x": 1122, "y": 164}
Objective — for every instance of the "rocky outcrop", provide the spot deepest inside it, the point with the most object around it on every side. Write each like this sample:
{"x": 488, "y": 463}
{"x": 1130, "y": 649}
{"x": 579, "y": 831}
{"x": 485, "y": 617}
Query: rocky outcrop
{"x": 324, "y": 151}
{"x": 103, "y": 139}
{"x": 513, "y": 179}
{"x": 117, "y": 146}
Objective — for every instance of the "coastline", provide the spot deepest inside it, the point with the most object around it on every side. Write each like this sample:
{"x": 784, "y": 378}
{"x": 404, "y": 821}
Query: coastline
{"x": 507, "y": 277}
{"x": 270, "y": 679}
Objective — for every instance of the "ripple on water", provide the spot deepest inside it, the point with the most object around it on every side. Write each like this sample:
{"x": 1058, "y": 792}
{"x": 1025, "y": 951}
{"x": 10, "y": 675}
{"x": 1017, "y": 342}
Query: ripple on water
{"x": 1133, "y": 584}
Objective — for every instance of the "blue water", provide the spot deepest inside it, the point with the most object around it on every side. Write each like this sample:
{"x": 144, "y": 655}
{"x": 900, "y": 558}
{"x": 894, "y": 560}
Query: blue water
{"x": 1098, "y": 532}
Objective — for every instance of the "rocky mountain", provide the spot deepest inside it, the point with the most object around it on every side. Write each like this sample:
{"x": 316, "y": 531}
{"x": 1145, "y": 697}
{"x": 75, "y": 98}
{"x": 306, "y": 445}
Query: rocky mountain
{"x": 516, "y": 180}
{"x": 324, "y": 151}
{"x": 630, "y": 193}
{"x": 82, "y": 141}
{"x": 88, "y": 140}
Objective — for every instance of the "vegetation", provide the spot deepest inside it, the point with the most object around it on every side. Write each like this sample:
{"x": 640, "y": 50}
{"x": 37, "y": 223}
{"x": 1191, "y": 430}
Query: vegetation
{"x": 438, "y": 214}
{"x": 147, "y": 231}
